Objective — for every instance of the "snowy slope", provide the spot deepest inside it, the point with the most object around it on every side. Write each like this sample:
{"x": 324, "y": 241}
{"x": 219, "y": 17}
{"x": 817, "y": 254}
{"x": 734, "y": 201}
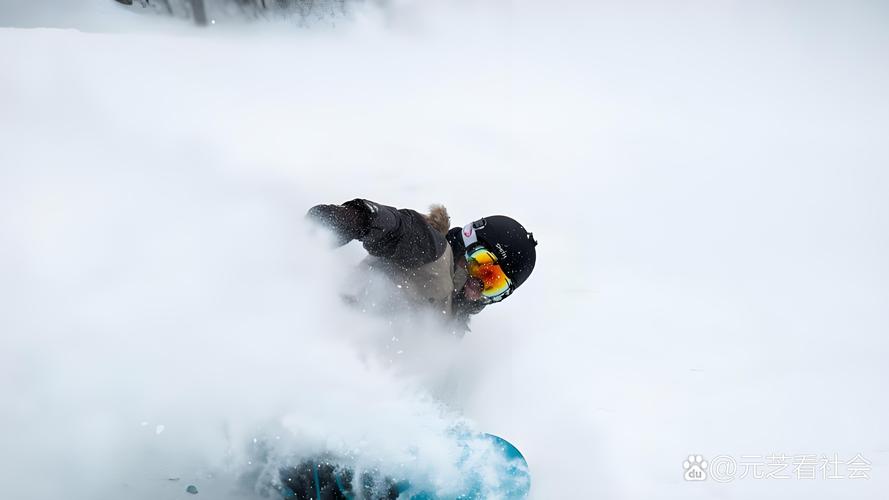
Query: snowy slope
{"x": 707, "y": 182}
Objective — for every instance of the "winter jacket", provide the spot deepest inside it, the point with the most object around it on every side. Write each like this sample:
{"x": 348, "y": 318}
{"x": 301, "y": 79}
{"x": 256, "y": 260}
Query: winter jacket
{"x": 413, "y": 252}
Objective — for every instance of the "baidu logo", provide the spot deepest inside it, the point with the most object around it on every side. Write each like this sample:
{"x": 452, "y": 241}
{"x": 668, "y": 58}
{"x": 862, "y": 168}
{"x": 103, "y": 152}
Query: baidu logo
{"x": 695, "y": 468}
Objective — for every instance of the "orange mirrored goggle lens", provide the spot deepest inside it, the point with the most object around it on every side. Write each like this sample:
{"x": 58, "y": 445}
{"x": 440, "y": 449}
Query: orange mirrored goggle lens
{"x": 483, "y": 266}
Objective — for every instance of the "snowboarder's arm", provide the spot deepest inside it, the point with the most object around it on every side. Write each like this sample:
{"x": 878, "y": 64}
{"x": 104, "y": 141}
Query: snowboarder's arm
{"x": 403, "y": 236}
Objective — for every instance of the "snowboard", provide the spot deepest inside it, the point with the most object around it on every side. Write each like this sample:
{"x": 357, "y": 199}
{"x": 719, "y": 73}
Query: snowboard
{"x": 495, "y": 468}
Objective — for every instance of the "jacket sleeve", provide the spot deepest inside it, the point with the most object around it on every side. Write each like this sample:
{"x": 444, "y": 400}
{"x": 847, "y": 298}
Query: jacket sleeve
{"x": 401, "y": 236}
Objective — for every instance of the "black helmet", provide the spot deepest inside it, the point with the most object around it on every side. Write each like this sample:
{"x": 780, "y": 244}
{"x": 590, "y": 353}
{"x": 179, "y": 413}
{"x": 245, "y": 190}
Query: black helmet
{"x": 506, "y": 238}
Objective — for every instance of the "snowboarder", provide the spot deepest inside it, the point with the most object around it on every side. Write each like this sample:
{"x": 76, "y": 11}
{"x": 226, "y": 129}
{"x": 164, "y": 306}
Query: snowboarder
{"x": 456, "y": 271}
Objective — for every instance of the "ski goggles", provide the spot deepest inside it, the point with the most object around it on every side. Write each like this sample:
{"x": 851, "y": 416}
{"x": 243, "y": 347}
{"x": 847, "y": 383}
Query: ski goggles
{"x": 482, "y": 265}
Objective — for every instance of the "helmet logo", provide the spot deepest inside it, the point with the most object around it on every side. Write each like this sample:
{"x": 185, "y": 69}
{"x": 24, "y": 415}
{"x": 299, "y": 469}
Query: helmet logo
{"x": 501, "y": 249}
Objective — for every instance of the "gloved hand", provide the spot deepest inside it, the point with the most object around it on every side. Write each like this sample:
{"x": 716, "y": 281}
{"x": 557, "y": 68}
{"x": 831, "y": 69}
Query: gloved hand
{"x": 349, "y": 221}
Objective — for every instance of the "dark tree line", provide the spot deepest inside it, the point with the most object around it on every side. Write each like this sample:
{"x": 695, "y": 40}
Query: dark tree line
{"x": 201, "y": 10}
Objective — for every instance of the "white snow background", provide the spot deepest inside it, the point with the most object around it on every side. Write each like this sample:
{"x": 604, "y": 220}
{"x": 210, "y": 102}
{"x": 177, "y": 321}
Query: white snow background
{"x": 708, "y": 182}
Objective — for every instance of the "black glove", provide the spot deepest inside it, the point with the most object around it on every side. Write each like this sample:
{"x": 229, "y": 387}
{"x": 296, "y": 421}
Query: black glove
{"x": 349, "y": 221}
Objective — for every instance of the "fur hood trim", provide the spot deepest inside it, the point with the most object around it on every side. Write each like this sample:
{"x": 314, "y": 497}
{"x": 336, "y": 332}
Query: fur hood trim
{"x": 439, "y": 219}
